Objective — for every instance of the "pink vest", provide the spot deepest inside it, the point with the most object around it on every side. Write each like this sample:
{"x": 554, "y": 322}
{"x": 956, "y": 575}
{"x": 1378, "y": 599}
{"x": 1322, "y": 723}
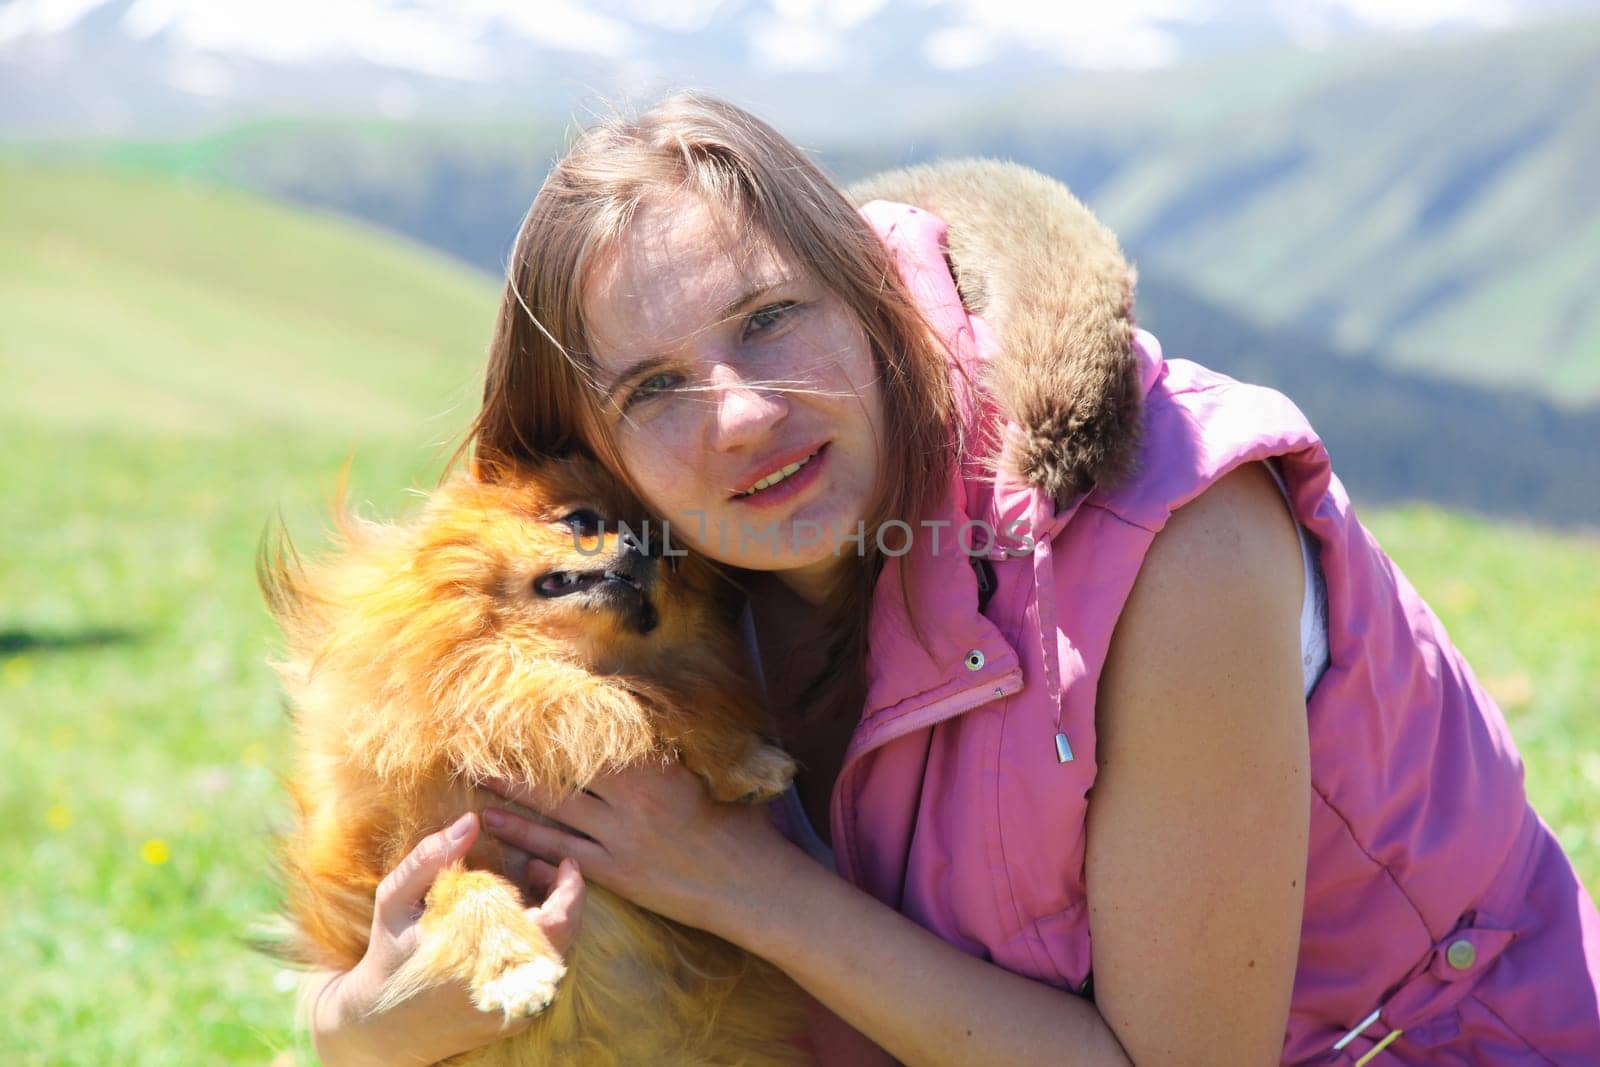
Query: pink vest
{"x": 1434, "y": 894}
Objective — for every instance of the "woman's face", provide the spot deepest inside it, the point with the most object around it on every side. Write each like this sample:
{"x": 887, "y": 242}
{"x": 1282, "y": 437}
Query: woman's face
{"x": 722, "y": 364}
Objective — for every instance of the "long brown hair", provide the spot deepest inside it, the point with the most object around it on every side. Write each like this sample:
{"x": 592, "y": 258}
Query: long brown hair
{"x": 539, "y": 400}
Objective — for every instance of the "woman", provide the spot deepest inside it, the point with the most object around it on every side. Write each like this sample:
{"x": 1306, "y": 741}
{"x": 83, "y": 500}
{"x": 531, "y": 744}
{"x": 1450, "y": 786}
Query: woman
{"x": 1307, "y": 838}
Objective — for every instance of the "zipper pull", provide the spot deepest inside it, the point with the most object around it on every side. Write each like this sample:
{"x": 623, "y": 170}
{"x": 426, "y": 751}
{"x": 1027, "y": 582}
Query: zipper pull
{"x": 1063, "y": 748}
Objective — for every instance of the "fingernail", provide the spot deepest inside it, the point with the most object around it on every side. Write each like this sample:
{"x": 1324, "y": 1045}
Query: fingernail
{"x": 493, "y": 817}
{"x": 460, "y": 828}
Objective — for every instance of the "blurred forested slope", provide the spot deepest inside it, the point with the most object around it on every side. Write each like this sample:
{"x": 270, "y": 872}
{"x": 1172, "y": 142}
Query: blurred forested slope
{"x": 1405, "y": 240}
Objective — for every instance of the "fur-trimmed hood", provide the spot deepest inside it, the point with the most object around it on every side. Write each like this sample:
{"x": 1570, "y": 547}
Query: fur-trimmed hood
{"x": 1053, "y": 284}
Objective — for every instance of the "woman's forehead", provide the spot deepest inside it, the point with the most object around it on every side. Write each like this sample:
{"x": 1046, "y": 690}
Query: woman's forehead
{"x": 680, "y": 266}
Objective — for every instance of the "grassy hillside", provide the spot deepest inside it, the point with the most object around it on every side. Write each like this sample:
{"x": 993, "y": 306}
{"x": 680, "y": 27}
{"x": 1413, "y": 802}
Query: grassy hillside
{"x": 134, "y": 291}
{"x": 186, "y": 360}
{"x": 180, "y": 362}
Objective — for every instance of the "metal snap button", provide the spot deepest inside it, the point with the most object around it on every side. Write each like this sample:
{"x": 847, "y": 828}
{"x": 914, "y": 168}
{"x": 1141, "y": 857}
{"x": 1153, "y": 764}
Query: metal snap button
{"x": 1461, "y": 954}
{"x": 975, "y": 660}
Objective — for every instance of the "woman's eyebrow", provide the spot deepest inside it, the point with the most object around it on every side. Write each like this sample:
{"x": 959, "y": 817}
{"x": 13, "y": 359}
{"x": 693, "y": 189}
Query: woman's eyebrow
{"x": 750, "y": 296}
{"x": 728, "y": 311}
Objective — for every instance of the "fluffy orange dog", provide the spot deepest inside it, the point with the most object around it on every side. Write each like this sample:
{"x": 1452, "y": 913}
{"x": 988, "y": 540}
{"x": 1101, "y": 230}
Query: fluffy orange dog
{"x": 511, "y": 633}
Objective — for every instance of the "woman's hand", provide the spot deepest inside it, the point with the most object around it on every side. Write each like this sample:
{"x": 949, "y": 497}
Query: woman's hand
{"x": 439, "y": 1022}
{"x": 653, "y": 834}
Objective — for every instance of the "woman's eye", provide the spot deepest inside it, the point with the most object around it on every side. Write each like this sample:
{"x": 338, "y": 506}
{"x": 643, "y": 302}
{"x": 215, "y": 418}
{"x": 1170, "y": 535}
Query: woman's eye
{"x": 651, "y": 386}
{"x": 767, "y": 317}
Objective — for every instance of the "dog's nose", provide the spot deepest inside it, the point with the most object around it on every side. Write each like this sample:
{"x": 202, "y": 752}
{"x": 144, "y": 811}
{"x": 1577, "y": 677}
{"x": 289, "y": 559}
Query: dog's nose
{"x": 631, "y": 541}
{"x": 637, "y": 559}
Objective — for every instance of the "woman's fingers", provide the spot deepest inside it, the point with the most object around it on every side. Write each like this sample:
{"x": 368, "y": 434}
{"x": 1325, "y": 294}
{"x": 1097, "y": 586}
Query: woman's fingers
{"x": 542, "y": 842}
{"x": 561, "y": 914}
{"x": 399, "y": 898}
{"x": 585, "y": 812}
{"x": 521, "y": 793}
{"x": 582, "y": 809}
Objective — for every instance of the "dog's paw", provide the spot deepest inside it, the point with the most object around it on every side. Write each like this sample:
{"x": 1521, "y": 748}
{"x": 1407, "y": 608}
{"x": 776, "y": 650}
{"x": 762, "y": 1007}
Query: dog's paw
{"x": 763, "y": 774}
{"x": 522, "y": 990}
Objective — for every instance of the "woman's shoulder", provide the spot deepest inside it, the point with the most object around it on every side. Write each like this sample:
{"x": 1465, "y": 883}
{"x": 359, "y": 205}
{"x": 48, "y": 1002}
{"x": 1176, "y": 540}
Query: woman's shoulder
{"x": 1200, "y": 428}
{"x": 1233, "y": 550}
{"x": 1221, "y": 583}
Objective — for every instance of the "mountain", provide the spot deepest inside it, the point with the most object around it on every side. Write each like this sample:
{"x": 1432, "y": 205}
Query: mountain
{"x": 137, "y": 67}
{"x": 1397, "y": 436}
{"x": 1432, "y": 208}
{"x": 1437, "y": 206}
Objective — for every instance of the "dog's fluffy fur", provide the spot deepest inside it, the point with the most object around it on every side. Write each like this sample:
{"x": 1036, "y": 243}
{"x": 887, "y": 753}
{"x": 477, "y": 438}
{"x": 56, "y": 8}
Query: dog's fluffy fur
{"x": 422, "y": 659}
{"x": 486, "y": 640}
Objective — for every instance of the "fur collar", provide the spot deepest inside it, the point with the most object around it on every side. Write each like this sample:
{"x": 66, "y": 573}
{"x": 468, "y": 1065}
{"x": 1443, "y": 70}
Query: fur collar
{"x": 1053, "y": 284}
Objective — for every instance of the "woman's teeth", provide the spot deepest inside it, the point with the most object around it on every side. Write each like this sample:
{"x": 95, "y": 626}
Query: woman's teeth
{"x": 777, "y": 476}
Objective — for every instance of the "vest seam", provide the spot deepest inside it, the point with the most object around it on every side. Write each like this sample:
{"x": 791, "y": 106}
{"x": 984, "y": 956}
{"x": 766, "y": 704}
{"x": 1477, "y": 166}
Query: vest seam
{"x": 1355, "y": 839}
{"x": 1008, "y": 895}
{"x": 1221, "y": 381}
{"x": 1531, "y": 1047}
{"x": 869, "y": 739}
{"x": 1237, "y": 463}
{"x": 1120, "y": 517}
{"x": 1107, "y": 502}
{"x": 851, "y": 842}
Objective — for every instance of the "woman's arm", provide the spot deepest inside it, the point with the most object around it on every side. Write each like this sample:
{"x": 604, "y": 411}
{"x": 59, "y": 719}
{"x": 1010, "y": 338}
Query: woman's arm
{"x": 1197, "y": 920}
{"x": 921, "y": 999}
{"x": 661, "y": 841}
{"x": 1199, "y": 817}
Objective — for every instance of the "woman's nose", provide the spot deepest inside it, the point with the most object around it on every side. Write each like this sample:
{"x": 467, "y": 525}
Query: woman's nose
{"x": 744, "y": 413}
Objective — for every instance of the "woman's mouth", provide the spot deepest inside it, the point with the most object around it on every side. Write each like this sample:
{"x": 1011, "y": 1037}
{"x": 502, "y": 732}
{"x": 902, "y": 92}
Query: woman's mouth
{"x": 786, "y": 480}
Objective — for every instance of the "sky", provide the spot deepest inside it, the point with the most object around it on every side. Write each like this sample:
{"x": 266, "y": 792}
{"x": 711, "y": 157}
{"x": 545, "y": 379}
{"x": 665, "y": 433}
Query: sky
{"x": 450, "y": 37}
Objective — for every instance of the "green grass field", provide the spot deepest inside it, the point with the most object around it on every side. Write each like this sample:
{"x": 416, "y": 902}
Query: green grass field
{"x": 181, "y": 362}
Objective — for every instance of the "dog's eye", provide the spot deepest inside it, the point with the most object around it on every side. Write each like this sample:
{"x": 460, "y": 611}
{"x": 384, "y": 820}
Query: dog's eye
{"x": 586, "y": 522}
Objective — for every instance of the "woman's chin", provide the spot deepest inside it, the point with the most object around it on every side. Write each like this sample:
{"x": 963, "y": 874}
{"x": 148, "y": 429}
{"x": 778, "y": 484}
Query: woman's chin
{"x": 782, "y": 557}
{"x": 812, "y": 536}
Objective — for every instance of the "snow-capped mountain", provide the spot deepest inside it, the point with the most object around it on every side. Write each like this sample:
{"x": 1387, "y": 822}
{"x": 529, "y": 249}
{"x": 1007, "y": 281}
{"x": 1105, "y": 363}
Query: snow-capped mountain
{"x": 165, "y": 66}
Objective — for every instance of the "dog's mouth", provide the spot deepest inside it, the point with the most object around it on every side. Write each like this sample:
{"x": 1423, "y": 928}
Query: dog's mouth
{"x": 565, "y": 583}
{"x": 611, "y": 587}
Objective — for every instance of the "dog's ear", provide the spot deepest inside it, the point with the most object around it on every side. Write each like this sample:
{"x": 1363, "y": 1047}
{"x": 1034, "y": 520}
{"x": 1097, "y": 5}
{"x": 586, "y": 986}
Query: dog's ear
{"x": 492, "y": 470}
{"x": 279, "y": 573}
